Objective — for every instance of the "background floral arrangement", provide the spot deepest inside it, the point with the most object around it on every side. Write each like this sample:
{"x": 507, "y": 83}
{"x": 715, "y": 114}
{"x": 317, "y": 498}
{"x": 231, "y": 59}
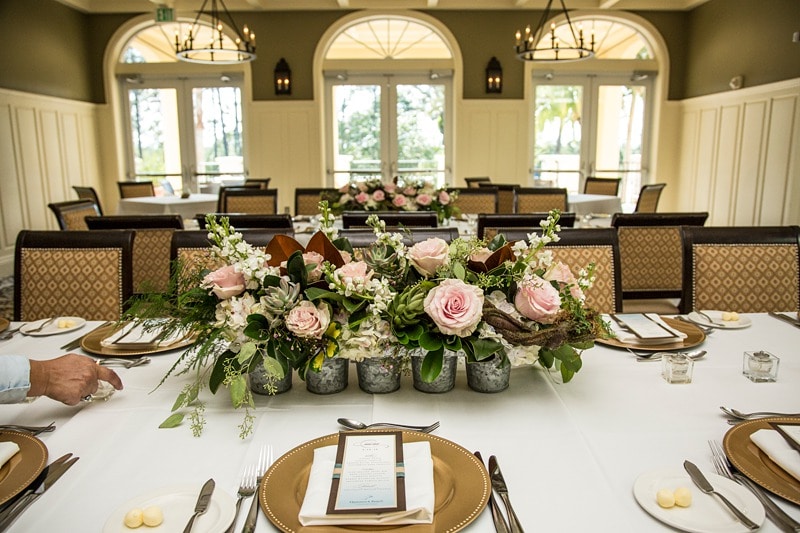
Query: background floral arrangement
{"x": 290, "y": 308}
{"x": 374, "y": 195}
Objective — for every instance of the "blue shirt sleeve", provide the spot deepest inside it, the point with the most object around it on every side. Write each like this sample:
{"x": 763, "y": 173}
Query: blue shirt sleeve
{"x": 15, "y": 373}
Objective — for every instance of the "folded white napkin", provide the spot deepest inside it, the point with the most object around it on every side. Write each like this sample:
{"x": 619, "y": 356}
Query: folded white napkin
{"x": 419, "y": 491}
{"x": 623, "y": 335}
{"x": 136, "y": 334}
{"x": 775, "y": 446}
{"x": 7, "y": 451}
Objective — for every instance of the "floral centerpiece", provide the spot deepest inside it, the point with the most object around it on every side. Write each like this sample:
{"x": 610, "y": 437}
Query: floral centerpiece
{"x": 289, "y": 308}
{"x": 374, "y": 195}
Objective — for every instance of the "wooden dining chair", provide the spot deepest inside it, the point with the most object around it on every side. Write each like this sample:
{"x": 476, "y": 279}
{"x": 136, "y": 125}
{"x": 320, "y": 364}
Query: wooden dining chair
{"x": 476, "y": 200}
{"x": 649, "y": 196}
{"x": 356, "y": 219}
{"x": 71, "y": 214}
{"x": 361, "y": 238}
{"x": 248, "y": 200}
{"x": 539, "y": 199}
{"x": 247, "y": 221}
{"x": 306, "y": 200}
{"x": 506, "y": 192}
{"x": 742, "y": 269}
{"x": 605, "y": 186}
{"x": 475, "y": 181}
{"x": 490, "y": 225}
{"x": 261, "y": 183}
{"x": 87, "y": 274}
{"x": 136, "y": 189}
{"x": 88, "y": 193}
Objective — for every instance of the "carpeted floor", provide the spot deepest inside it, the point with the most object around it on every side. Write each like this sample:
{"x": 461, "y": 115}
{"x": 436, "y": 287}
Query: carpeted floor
{"x": 7, "y": 297}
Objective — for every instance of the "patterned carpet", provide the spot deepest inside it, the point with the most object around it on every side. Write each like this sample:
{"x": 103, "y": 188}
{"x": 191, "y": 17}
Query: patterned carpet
{"x": 7, "y": 297}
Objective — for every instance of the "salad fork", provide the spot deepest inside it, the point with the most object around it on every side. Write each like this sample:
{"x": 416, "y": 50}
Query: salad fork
{"x": 733, "y": 413}
{"x": 264, "y": 462}
{"x": 247, "y": 488}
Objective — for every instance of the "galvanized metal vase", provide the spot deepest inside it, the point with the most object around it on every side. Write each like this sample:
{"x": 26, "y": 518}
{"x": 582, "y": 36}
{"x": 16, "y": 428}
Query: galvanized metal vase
{"x": 444, "y": 382}
{"x": 488, "y": 376}
{"x": 331, "y": 378}
{"x": 261, "y": 383}
{"x": 378, "y": 375}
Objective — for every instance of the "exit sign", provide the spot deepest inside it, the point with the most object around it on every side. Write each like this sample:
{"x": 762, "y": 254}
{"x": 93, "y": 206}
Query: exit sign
{"x": 165, "y": 14}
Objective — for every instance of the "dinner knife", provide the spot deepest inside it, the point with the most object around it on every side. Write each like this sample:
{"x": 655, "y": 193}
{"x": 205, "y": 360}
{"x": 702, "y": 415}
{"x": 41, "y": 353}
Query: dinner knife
{"x": 774, "y": 513}
{"x": 54, "y": 472}
{"x": 499, "y": 522}
{"x": 499, "y": 485}
{"x": 202, "y": 503}
{"x": 700, "y": 480}
{"x": 787, "y": 319}
{"x": 74, "y": 344}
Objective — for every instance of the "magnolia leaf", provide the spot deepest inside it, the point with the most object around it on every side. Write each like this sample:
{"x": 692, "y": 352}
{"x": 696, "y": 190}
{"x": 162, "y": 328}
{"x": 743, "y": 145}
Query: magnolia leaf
{"x": 296, "y": 268}
{"x": 453, "y": 343}
{"x": 353, "y": 306}
{"x": 320, "y": 243}
{"x": 317, "y": 293}
{"x": 485, "y": 348}
{"x": 272, "y": 281}
{"x": 280, "y": 248}
{"x": 172, "y": 421}
{"x": 430, "y": 342}
{"x": 432, "y": 365}
{"x": 414, "y": 332}
{"x": 238, "y": 388}
{"x": 343, "y": 243}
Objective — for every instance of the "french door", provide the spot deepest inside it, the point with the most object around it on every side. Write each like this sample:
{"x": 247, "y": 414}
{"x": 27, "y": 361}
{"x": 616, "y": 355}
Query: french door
{"x": 184, "y": 133}
{"x": 593, "y": 125}
{"x": 386, "y": 127}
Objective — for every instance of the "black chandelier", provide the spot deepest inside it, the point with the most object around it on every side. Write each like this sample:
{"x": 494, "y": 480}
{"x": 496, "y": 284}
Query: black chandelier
{"x": 219, "y": 49}
{"x": 534, "y": 46}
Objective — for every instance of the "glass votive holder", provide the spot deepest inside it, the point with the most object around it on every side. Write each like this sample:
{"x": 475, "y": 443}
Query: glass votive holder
{"x": 677, "y": 368}
{"x": 760, "y": 366}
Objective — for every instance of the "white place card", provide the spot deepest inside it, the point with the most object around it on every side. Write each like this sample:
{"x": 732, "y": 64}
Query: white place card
{"x": 369, "y": 474}
{"x": 643, "y": 326}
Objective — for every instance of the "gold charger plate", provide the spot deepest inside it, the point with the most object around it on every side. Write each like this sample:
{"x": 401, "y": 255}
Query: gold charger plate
{"x": 460, "y": 481}
{"x": 91, "y": 343}
{"x": 24, "y": 467}
{"x": 754, "y": 463}
{"x": 694, "y": 337}
{"x": 4, "y": 324}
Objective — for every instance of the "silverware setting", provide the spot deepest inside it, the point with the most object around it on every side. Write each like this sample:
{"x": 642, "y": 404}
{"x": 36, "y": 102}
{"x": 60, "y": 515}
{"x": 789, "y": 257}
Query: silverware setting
{"x": 703, "y": 484}
{"x": 656, "y": 356}
{"x": 356, "y": 425}
{"x": 247, "y": 488}
{"x": 774, "y": 513}
{"x": 7, "y": 334}
{"x": 708, "y": 330}
{"x": 710, "y": 320}
{"x": 202, "y": 503}
{"x": 41, "y": 326}
{"x": 74, "y": 344}
{"x": 33, "y": 430}
{"x": 499, "y": 486}
{"x": 126, "y": 363}
{"x": 500, "y": 525}
{"x": 738, "y": 415}
{"x": 265, "y": 459}
{"x": 787, "y": 319}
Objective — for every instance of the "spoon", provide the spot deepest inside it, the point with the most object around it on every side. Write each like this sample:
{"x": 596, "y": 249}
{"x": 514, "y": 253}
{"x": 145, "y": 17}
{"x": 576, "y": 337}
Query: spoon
{"x": 355, "y": 424}
{"x": 758, "y": 414}
{"x": 656, "y": 356}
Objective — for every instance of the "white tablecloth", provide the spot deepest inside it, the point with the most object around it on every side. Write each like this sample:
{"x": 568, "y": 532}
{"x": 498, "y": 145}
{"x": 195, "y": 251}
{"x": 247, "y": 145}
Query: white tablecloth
{"x": 169, "y": 205}
{"x": 585, "y": 204}
{"x": 570, "y": 453}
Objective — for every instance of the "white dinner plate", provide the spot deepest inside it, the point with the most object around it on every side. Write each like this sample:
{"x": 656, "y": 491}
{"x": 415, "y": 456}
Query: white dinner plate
{"x": 706, "y": 514}
{"x": 716, "y": 316}
{"x": 52, "y": 328}
{"x": 177, "y": 504}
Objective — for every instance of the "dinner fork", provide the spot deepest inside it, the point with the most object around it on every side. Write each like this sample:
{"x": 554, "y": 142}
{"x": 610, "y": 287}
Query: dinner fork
{"x": 247, "y": 488}
{"x": 264, "y": 461}
{"x": 7, "y": 334}
{"x": 733, "y": 413}
{"x": 774, "y": 513}
{"x": 33, "y": 430}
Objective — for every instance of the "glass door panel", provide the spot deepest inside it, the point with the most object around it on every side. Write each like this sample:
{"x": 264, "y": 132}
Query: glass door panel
{"x": 558, "y": 134}
{"x": 217, "y": 113}
{"x": 420, "y": 133}
{"x": 357, "y": 127}
{"x": 155, "y": 142}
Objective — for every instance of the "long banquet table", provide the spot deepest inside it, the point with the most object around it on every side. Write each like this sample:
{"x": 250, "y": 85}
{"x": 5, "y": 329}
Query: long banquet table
{"x": 570, "y": 452}
{"x": 169, "y": 205}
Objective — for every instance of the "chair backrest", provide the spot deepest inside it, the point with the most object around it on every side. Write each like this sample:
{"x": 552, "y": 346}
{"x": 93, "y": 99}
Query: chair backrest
{"x": 742, "y": 269}
{"x": 426, "y": 219}
{"x": 659, "y": 219}
{"x": 607, "y": 186}
{"x": 491, "y": 225}
{"x": 539, "y": 199}
{"x": 262, "y": 183}
{"x": 648, "y": 198}
{"x": 505, "y": 196}
{"x": 306, "y": 200}
{"x": 136, "y": 189}
{"x": 135, "y": 222}
{"x": 71, "y": 214}
{"x": 477, "y": 200}
{"x": 88, "y": 193}
{"x": 362, "y": 237}
{"x": 82, "y": 273}
{"x": 242, "y": 221}
{"x": 475, "y": 181}
{"x": 248, "y": 200}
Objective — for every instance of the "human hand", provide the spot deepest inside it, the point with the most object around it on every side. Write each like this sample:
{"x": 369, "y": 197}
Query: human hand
{"x": 69, "y": 378}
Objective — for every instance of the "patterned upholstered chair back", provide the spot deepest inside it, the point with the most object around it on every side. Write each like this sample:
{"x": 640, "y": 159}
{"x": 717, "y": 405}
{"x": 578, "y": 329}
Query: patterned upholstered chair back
{"x": 748, "y": 270}
{"x": 415, "y": 219}
{"x": 82, "y": 273}
{"x": 240, "y": 221}
{"x": 505, "y": 196}
{"x": 475, "y": 181}
{"x": 490, "y": 225}
{"x": 136, "y": 189}
{"x": 477, "y": 200}
{"x": 71, "y": 215}
{"x": 361, "y": 238}
{"x": 88, "y": 193}
{"x": 306, "y": 200}
{"x": 261, "y": 183}
{"x": 248, "y": 200}
{"x": 649, "y": 197}
{"x": 607, "y": 186}
{"x": 540, "y": 199}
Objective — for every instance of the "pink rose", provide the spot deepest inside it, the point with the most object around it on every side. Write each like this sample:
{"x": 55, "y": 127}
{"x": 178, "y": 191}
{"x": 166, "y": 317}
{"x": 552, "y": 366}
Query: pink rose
{"x": 390, "y": 187}
{"x": 225, "y": 282}
{"x": 344, "y": 188}
{"x": 480, "y": 255}
{"x": 362, "y": 186}
{"x": 307, "y": 320}
{"x": 399, "y": 200}
{"x": 362, "y": 197}
{"x": 561, "y": 273}
{"x": 424, "y": 199}
{"x": 346, "y": 257}
{"x": 409, "y": 191}
{"x": 356, "y": 272}
{"x": 537, "y": 299}
{"x": 455, "y": 307}
{"x": 378, "y": 195}
{"x": 444, "y": 197}
{"x": 314, "y": 258}
{"x": 428, "y": 255}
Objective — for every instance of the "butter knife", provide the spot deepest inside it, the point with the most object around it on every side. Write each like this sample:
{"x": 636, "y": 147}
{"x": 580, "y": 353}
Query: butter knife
{"x": 499, "y": 522}
{"x": 74, "y": 344}
{"x": 202, "y": 503}
{"x": 702, "y": 483}
{"x": 787, "y": 319}
{"x": 499, "y": 485}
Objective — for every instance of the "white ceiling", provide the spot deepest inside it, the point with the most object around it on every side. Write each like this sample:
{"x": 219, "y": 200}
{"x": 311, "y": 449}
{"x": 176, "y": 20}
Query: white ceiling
{"x": 139, "y": 6}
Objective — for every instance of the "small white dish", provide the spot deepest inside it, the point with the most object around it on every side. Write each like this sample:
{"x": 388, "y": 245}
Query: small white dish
{"x": 177, "y": 505}
{"x": 716, "y": 316}
{"x": 706, "y": 514}
{"x": 52, "y": 328}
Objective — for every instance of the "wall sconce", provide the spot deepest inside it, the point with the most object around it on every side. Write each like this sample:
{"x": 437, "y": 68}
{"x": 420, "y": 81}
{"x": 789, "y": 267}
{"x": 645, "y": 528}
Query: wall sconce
{"x": 283, "y": 78}
{"x": 494, "y": 76}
